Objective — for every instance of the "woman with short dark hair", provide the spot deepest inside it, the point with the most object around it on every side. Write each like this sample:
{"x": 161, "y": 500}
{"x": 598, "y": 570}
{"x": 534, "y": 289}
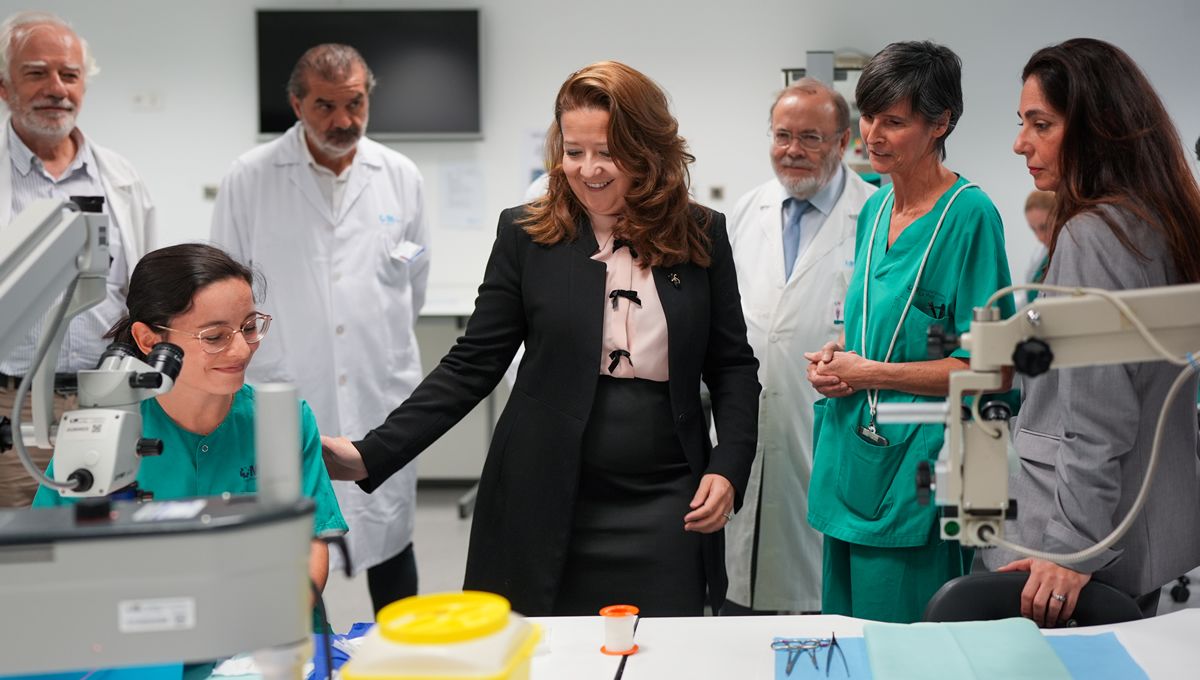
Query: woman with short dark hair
{"x": 1126, "y": 215}
{"x": 929, "y": 249}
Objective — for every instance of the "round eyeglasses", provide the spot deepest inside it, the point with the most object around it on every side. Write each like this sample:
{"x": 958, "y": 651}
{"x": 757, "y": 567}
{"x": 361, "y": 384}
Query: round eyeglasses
{"x": 216, "y": 339}
{"x": 808, "y": 140}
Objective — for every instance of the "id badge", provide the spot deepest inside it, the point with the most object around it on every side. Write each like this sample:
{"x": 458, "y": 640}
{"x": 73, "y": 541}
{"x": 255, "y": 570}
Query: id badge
{"x": 870, "y": 436}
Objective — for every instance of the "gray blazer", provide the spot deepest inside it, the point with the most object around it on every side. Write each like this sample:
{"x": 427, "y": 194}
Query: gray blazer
{"x": 1084, "y": 435}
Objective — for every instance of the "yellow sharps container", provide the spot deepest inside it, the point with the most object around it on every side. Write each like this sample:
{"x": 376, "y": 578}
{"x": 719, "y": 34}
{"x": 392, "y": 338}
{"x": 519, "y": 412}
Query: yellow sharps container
{"x": 447, "y": 636}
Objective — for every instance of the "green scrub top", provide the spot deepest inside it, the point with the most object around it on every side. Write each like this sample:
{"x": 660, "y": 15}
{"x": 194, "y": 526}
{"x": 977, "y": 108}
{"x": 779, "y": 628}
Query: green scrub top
{"x": 860, "y": 492}
{"x": 222, "y": 461}
{"x": 1038, "y": 277}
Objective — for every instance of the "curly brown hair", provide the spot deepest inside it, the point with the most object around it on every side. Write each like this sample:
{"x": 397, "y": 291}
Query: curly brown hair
{"x": 643, "y": 138}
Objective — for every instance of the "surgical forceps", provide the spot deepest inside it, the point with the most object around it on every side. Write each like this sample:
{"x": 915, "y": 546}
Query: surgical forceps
{"x": 797, "y": 647}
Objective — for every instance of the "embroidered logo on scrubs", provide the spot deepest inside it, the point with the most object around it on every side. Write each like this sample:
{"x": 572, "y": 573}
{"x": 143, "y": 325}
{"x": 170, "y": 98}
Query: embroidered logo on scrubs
{"x": 387, "y": 219}
{"x": 247, "y": 472}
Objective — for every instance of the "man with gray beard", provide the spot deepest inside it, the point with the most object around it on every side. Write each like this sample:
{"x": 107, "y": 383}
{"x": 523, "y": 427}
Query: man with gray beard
{"x": 44, "y": 70}
{"x": 793, "y": 246}
{"x": 336, "y": 224}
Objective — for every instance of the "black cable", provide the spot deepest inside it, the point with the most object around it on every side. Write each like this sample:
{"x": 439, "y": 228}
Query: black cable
{"x": 621, "y": 666}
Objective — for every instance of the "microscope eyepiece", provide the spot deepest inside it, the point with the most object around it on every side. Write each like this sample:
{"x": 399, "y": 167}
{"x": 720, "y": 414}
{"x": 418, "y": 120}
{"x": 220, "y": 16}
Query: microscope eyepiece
{"x": 89, "y": 204}
{"x": 166, "y": 358}
{"x": 120, "y": 350}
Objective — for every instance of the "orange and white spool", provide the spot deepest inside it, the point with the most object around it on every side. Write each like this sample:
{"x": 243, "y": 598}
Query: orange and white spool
{"x": 619, "y": 622}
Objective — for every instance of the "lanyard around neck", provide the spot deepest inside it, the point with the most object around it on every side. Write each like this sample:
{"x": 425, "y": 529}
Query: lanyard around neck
{"x": 873, "y": 395}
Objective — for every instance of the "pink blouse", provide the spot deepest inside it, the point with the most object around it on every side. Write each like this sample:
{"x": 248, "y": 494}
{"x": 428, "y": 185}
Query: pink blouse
{"x": 634, "y": 343}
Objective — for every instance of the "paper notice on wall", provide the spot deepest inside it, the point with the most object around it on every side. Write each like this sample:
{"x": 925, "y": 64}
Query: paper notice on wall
{"x": 461, "y": 196}
{"x": 535, "y": 155}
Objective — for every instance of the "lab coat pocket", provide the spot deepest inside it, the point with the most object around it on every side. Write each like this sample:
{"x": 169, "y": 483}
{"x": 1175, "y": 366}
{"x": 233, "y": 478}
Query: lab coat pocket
{"x": 866, "y": 473}
{"x": 407, "y": 251}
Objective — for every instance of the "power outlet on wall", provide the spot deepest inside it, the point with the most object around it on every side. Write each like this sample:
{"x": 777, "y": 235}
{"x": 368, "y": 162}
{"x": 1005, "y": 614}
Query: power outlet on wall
{"x": 148, "y": 101}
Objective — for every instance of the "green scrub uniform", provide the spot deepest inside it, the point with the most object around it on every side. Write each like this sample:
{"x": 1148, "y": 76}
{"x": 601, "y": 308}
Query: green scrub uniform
{"x": 209, "y": 465}
{"x": 1038, "y": 277}
{"x": 883, "y": 557}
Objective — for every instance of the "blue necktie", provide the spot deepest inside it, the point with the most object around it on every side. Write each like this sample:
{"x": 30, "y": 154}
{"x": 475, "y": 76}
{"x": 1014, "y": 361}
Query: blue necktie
{"x": 794, "y": 209}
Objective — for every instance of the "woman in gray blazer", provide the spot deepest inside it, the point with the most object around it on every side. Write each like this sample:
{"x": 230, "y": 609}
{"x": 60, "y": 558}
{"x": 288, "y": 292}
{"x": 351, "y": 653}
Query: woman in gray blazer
{"x": 1126, "y": 215}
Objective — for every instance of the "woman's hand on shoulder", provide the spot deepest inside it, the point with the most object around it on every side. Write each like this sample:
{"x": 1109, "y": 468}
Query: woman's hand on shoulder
{"x": 342, "y": 459}
{"x": 712, "y": 506}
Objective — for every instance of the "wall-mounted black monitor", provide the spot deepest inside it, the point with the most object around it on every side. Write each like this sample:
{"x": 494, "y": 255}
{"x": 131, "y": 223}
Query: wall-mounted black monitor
{"x": 426, "y": 66}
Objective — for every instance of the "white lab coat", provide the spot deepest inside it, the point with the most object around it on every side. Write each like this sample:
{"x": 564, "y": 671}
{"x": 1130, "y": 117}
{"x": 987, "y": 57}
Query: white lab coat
{"x": 345, "y": 291}
{"x": 127, "y": 201}
{"x": 784, "y": 320}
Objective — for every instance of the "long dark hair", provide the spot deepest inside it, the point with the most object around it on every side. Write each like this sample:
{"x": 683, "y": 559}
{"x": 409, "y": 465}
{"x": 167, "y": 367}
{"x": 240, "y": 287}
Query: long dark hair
{"x": 643, "y": 136}
{"x": 1119, "y": 148}
{"x": 166, "y": 280}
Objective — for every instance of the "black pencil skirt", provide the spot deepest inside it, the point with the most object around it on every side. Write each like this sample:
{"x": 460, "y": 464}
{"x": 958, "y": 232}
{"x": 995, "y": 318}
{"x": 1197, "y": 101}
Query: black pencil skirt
{"x": 627, "y": 543}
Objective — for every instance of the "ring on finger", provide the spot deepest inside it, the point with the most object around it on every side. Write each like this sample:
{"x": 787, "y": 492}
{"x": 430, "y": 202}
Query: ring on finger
{"x": 1059, "y": 597}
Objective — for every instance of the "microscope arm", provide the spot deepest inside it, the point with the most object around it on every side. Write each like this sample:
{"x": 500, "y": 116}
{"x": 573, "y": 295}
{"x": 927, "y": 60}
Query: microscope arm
{"x": 1083, "y": 327}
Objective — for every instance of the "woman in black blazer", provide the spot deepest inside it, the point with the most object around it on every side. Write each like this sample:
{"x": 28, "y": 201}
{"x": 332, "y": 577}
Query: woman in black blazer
{"x": 601, "y": 484}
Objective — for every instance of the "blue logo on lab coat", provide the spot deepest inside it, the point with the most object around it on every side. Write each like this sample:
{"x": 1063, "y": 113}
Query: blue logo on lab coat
{"x": 387, "y": 219}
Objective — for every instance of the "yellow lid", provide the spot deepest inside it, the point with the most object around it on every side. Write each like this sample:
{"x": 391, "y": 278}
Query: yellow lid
{"x": 443, "y": 618}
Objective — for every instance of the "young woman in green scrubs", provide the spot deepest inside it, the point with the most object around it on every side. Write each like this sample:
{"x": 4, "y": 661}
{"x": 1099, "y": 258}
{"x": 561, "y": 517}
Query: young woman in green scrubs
{"x": 201, "y": 299}
{"x": 929, "y": 249}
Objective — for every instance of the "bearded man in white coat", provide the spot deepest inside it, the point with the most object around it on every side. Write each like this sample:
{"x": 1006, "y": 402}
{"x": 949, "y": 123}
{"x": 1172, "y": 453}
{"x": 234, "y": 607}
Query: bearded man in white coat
{"x": 793, "y": 246}
{"x": 335, "y": 223}
{"x": 44, "y": 71}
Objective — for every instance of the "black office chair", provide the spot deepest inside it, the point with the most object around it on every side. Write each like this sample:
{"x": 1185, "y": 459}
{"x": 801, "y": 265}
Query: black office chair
{"x": 986, "y": 597}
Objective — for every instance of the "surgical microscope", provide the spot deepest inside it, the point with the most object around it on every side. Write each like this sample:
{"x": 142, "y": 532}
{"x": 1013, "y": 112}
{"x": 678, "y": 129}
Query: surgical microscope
{"x": 113, "y": 583}
{"x": 1077, "y": 327}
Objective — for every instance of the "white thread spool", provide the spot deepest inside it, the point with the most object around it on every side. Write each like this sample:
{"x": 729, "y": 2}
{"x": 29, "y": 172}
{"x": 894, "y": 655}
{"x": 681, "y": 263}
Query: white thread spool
{"x": 619, "y": 622}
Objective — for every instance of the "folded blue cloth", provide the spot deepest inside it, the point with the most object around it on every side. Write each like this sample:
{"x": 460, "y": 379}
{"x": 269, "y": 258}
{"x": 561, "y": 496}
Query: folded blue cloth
{"x": 340, "y": 656}
{"x": 1096, "y": 657}
{"x": 1087, "y": 657}
{"x": 1008, "y": 649}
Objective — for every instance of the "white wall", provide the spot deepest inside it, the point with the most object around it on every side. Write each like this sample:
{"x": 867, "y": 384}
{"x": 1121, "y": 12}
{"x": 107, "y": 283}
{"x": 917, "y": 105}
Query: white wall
{"x": 719, "y": 60}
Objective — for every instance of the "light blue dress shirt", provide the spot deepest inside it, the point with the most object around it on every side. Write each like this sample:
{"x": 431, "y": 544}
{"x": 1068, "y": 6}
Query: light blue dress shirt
{"x": 800, "y": 230}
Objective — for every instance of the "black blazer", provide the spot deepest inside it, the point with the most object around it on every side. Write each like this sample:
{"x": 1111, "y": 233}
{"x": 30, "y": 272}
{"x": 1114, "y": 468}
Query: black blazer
{"x": 552, "y": 299}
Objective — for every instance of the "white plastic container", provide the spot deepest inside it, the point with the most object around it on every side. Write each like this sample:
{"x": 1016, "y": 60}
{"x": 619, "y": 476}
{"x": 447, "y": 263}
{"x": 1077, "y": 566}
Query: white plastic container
{"x": 447, "y": 636}
{"x": 619, "y": 623}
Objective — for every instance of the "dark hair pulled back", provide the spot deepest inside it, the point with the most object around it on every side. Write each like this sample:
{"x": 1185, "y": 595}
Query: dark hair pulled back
{"x": 166, "y": 280}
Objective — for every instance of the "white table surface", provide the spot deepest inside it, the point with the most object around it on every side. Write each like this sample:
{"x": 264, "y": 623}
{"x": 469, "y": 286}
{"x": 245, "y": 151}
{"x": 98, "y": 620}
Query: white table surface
{"x": 570, "y": 650}
{"x": 738, "y": 648}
